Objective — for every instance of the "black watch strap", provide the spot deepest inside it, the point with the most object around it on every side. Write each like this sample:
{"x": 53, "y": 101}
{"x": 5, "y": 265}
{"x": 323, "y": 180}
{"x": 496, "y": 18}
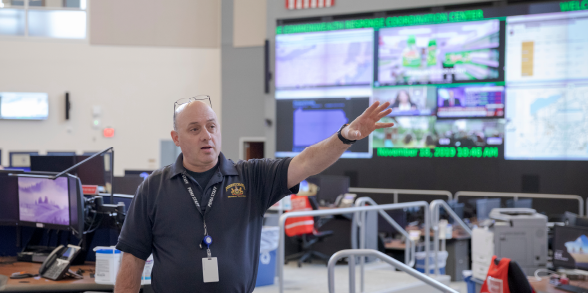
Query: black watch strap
{"x": 343, "y": 139}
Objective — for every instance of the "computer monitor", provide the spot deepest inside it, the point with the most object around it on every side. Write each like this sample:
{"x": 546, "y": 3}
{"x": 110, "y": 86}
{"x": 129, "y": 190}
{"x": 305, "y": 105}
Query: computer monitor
{"x": 61, "y": 153}
{"x": 91, "y": 172}
{"x": 457, "y": 207}
{"x": 330, "y": 186}
{"x": 570, "y": 247}
{"x": 51, "y": 163}
{"x": 126, "y": 185}
{"x": 397, "y": 215}
{"x": 8, "y": 198}
{"x": 521, "y": 203}
{"x": 570, "y": 218}
{"x": 485, "y": 206}
{"x": 142, "y": 173}
{"x": 53, "y": 204}
{"x": 21, "y": 159}
{"x": 581, "y": 222}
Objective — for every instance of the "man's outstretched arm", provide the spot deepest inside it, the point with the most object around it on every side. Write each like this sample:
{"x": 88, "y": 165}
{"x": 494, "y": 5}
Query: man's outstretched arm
{"x": 320, "y": 156}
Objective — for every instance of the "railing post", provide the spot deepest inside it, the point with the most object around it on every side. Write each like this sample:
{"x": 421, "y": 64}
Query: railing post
{"x": 351, "y": 260}
{"x": 385, "y": 258}
{"x": 427, "y": 237}
{"x": 362, "y": 246}
{"x": 282, "y": 221}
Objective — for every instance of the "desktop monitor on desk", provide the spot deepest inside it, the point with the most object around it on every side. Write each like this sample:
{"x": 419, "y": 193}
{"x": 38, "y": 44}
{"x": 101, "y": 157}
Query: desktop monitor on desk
{"x": 330, "y": 187}
{"x": 521, "y": 203}
{"x": 142, "y": 173}
{"x": 51, "y": 163}
{"x": 21, "y": 159}
{"x": 485, "y": 206}
{"x": 53, "y": 204}
{"x": 570, "y": 247}
{"x": 8, "y": 198}
{"x": 90, "y": 173}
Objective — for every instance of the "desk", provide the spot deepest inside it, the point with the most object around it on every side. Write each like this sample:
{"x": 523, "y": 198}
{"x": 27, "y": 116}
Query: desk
{"x": 41, "y": 284}
{"x": 545, "y": 287}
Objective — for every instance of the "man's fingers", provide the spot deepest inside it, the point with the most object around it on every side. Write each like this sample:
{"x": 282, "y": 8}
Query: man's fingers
{"x": 382, "y": 107}
{"x": 384, "y": 125}
{"x": 371, "y": 108}
{"x": 384, "y": 114}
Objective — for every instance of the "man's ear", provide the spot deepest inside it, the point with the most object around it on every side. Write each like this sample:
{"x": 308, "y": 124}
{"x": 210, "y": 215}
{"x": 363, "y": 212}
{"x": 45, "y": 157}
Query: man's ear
{"x": 175, "y": 137}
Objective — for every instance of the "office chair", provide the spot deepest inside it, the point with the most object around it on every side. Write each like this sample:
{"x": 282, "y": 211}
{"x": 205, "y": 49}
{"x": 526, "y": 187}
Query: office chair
{"x": 305, "y": 241}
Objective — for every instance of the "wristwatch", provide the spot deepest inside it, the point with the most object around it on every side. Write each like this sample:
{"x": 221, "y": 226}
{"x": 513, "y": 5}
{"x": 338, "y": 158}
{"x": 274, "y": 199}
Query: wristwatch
{"x": 343, "y": 139}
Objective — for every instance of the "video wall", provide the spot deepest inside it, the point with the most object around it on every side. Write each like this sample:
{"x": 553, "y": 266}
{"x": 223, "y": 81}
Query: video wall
{"x": 465, "y": 84}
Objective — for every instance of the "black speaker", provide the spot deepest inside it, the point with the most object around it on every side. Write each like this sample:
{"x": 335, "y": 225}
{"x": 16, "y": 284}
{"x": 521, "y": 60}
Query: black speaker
{"x": 266, "y": 67}
{"x": 67, "y": 105}
{"x": 530, "y": 183}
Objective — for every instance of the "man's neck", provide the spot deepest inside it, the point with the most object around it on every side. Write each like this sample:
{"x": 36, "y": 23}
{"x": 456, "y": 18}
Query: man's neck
{"x": 199, "y": 168}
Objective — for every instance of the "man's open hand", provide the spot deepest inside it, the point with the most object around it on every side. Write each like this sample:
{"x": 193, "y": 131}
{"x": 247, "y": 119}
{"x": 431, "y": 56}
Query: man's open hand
{"x": 367, "y": 122}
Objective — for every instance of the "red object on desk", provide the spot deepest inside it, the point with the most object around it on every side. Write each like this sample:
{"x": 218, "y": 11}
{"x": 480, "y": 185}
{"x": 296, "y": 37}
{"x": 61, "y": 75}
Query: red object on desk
{"x": 90, "y": 189}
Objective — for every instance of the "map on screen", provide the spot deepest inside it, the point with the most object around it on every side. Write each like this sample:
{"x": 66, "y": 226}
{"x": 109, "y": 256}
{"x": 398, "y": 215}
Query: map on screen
{"x": 547, "y": 122}
{"x": 335, "y": 58}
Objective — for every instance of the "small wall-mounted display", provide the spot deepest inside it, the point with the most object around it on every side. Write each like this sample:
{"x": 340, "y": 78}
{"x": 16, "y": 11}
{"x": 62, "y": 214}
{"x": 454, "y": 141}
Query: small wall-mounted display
{"x": 24, "y": 106}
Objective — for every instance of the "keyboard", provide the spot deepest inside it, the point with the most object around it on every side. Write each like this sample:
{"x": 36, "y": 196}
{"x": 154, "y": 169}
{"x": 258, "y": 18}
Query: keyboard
{"x": 571, "y": 288}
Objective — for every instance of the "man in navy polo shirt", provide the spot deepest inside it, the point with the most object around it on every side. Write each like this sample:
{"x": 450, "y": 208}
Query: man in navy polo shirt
{"x": 201, "y": 217}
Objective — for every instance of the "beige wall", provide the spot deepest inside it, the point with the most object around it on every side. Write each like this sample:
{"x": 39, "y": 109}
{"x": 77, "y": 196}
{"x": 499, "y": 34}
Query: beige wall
{"x": 135, "y": 87}
{"x": 249, "y": 23}
{"x": 178, "y": 23}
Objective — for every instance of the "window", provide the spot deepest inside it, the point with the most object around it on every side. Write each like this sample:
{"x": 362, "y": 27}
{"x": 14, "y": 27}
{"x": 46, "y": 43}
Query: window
{"x": 63, "y": 19}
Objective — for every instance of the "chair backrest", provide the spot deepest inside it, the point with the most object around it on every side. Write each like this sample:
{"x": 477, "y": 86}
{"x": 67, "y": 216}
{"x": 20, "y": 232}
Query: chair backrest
{"x": 315, "y": 206}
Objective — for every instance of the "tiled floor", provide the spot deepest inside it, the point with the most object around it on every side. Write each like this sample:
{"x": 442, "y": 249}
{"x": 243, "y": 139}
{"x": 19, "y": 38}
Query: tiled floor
{"x": 379, "y": 277}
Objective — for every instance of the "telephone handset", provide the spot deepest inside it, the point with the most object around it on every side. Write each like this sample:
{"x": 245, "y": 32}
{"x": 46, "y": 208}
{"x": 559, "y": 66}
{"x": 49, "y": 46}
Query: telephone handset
{"x": 56, "y": 266}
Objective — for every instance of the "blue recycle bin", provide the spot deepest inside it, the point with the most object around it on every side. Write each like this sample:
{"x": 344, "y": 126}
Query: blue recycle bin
{"x": 266, "y": 270}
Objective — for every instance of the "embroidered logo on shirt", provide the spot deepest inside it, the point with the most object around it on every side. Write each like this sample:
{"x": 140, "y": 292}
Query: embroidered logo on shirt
{"x": 237, "y": 190}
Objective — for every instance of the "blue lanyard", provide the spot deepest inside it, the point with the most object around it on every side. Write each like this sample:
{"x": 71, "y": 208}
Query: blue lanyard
{"x": 207, "y": 239}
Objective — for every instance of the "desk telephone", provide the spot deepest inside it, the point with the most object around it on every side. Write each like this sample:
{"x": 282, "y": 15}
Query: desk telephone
{"x": 345, "y": 200}
{"x": 56, "y": 266}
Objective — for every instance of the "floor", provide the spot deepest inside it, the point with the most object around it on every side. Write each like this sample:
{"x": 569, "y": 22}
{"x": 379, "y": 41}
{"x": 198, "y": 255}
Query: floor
{"x": 379, "y": 277}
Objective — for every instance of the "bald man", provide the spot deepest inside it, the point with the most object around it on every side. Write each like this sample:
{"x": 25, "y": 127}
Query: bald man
{"x": 201, "y": 217}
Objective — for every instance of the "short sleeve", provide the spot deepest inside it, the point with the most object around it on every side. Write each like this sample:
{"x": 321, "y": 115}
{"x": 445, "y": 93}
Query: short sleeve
{"x": 272, "y": 180}
{"x": 136, "y": 235}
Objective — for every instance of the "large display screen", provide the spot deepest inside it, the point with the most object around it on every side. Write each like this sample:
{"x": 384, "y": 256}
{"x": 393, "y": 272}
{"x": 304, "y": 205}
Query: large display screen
{"x": 470, "y": 101}
{"x": 303, "y": 122}
{"x": 408, "y": 101}
{"x": 336, "y": 58}
{"x": 25, "y": 106}
{"x": 44, "y": 200}
{"x": 443, "y": 53}
{"x": 500, "y": 82}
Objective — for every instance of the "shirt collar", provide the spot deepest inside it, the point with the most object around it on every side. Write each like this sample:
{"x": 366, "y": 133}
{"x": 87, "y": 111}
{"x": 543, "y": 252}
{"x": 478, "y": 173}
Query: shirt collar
{"x": 227, "y": 167}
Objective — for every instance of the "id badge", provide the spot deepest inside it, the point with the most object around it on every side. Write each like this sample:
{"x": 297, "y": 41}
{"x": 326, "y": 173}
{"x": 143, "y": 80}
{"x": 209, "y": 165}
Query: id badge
{"x": 210, "y": 270}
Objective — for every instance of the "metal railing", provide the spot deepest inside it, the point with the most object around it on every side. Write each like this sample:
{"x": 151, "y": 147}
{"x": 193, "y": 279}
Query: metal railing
{"x": 435, "y": 208}
{"x": 360, "y": 219}
{"x": 341, "y": 211}
{"x": 396, "y": 192}
{"x": 528, "y": 195}
{"x": 352, "y": 253}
